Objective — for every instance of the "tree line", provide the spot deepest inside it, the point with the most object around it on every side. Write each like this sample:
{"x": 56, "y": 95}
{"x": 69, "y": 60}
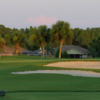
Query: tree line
{"x": 35, "y": 37}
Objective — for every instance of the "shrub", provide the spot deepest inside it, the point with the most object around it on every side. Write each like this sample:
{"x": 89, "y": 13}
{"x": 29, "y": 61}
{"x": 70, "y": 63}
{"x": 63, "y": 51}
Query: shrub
{"x": 64, "y": 54}
{"x": 57, "y": 54}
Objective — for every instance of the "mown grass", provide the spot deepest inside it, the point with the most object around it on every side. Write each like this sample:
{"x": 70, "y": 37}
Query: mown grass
{"x": 53, "y": 96}
{"x": 25, "y": 63}
{"x": 45, "y": 86}
{"x": 48, "y": 83}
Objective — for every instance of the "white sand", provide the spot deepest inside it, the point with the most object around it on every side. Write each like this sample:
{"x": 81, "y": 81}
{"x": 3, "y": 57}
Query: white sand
{"x": 76, "y": 64}
{"x": 69, "y": 72}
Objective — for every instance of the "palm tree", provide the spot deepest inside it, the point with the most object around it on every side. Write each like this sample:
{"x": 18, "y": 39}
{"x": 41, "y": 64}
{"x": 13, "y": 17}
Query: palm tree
{"x": 59, "y": 32}
{"x": 49, "y": 48}
{"x": 40, "y": 37}
{"x": 17, "y": 38}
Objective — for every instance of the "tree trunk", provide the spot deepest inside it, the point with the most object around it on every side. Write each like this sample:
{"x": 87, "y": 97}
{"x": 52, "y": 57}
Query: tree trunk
{"x": 43, "y": 50}
{"x": 17, "y": 48}
{"x": 16, "y": 51}
{"x": 61, "y": 43}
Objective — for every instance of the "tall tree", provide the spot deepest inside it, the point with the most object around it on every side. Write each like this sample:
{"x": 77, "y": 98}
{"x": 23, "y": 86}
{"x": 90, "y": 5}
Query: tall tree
{"x": 94, "y": 47}
{"x": 69, "y": 37}
{"x": 49, "y": 48}
{"x": 40, "y": 37}
{"x": 17, "y": 39}
{"x": 60, "y": 31}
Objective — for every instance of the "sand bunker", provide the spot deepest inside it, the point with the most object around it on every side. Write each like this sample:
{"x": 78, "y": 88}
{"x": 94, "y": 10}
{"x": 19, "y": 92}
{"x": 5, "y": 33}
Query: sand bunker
{"x": 69, "y": 72}
{"x": 70, "y": 64}
{"x": 77, "y": 64}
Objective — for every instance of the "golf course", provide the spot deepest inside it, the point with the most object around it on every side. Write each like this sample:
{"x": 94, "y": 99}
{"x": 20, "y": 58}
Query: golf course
{"x": 45, "y": 86}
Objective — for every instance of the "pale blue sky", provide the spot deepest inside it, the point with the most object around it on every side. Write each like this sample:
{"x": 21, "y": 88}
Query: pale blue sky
{"x": 26, "y": 13}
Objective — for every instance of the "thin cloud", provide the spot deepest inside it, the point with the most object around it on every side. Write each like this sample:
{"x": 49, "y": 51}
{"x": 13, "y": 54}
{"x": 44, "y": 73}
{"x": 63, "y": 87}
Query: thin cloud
{"x": 19, "y": 24}
{"x": 42, "y": 20}
{"x": 29, "y": 20}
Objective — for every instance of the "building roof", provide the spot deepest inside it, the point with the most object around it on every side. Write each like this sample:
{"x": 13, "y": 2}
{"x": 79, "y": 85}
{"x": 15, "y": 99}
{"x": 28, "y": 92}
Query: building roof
{"x": 70, "y": 47}
{"x": 39, "y": 51}
{"x": 12, "y": 49}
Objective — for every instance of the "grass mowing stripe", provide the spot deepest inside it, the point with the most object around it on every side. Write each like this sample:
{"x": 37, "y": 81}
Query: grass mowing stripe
{"x": 48, "y": 82}
{"x": 49, "y": 91}
{"x": 53, "y": 96}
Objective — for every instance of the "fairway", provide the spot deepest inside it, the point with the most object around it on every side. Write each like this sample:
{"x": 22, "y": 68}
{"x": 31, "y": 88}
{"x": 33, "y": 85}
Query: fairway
{"x": 53, "y": 96}
{"x": 44, "y": 86}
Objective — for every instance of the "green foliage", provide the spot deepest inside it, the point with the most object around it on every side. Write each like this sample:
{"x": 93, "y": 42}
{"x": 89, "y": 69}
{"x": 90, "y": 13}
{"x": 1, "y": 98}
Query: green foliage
{"x": 60, "y": 30}
{"x": 77, "y": 36}
{"x": 7, "y": 37}
{"x": 69, "y": 37}
{"x": 2, "y": 26}
{"x": 40, "y": 36}
{"x": 57, "y": 53}
{"x": 30, "y": 46}
{"x": 2, "y": 41}
{"x": 65, "y": 55}
{"x": 31, "y": 31}
{"x": 18, "y": 37}
{"x": 84, "y": 37}
{"x": 94, "y": 48}
{"x": 49, "y": 49}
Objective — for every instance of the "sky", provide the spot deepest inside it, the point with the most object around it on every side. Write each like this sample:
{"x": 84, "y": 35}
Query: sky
{"x": 26, "y": 13}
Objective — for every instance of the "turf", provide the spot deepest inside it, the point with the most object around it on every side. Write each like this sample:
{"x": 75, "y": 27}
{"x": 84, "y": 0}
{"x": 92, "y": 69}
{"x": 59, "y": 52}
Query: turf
{"x": 44, "y": 86}
{"x": 53, "y": 96}
{"x": 25, "y": 63}
{"x": 48, "y": 83}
